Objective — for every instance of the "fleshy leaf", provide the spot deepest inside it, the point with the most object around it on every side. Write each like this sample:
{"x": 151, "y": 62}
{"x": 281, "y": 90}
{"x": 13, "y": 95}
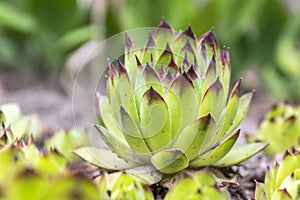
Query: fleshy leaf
{"x": 132, "y": 133}
{"x": 155, "y": 121}
{"x": 191, "y": 138}
{"x": 170, "y": 161}
{"x": 240, "y": 154}
{"x": 108, "y": 119}
{"x": 163, "y": 35}
{"x": 213, "y": 100}
{"x": 231, "y": 109}
{"x": 244, "y": 104}
{"x": 182, "y": 101}
{"x": 150, "y": 51}
{"x": 217, "y": 153}
{"x": 103, "y": 158}
{"x": 116, "y": 145}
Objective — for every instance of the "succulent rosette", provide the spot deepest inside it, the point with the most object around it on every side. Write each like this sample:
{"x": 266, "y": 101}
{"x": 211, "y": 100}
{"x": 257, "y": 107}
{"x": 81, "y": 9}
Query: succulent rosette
{"x": 281, "y": 128}
{"x": 283, "y": 181}
{"x": 167, "y": 107}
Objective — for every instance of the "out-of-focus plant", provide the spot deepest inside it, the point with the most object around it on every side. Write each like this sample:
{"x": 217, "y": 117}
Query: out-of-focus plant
{"x": 27, "y": 173}
{"x": 21, "y": 125}
{"x": 197, "y": 185}
{"x": 167, "y": 108}
{"x": 280, "y": 128}
{"x": 31, "y": 172}
{"x": 41, "y": 33}
{"x": 124, "y": 186}
{"x": 283, "y": 181}
{"x": 282, "y": 77}
{"x": 67, "y": 141}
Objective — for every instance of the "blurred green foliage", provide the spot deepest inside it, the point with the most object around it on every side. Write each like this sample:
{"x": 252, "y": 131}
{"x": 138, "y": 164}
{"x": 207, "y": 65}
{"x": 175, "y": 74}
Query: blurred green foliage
{"x": 262, "y": 34}
{"x": 41, "y": 33}
{"x": 250, "y": 28}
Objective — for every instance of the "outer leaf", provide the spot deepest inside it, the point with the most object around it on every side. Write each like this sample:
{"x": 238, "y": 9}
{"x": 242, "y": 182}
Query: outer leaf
{"x": 155, "y": 121}
{"x": 108, "y": 119}
{"x": 132, "y": 133}
{"x": 232, "y": 107}
{"x": 117, "y": 145}
{"x": 244, "y": 104}
{"x": 124, "y": 91}
{"x": 240, "y": 154}
{"x": 217, "y": 153}
{"x": 103, "y": 158}
{"x": 191, "y": 138}
{"x": 170, "y": 161}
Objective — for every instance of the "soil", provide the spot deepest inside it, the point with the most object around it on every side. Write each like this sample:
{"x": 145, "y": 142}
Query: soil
{"x": 42, "y": 94}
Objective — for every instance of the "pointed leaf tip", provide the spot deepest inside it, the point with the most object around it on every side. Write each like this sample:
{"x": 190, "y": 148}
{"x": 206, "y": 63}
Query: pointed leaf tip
{"x": 122, "y": 69}
{"x": 189, "y": 32}
{"x": 152, "y": 95}
{"x": 138, "y": 62}
{"x": 164, "y": 24}
{"x": 236, "y": 88}
{"x": 215, "y": 86}
{"x": 128, "y": 42}
{"x": 210, "y": 39}
{"x": 150, "y": 42}
{"x": 192, "y": 73}
{"x": 225, "y": 57}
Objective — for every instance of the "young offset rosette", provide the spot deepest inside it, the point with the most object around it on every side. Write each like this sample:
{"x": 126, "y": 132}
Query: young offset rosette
{"x": 283, "y": 181}
{"x": 281, "y": 128}
{"x": 167, "y": 107}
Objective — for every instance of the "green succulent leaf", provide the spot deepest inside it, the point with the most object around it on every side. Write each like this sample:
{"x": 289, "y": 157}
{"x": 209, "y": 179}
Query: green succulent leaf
{"x": 103, "y": 158}
{"x": 132, "y": 133}
{"x": 170, "y": 161}
{"x": 213, "y": 100}
{"x": 191, "y": 138}
{"x": 182, "y": 101}
{"x": 116, "y": 145}
{"x": 244, "y": 104}
{"x": 217, "y": 153}
{"x": 240, "y": 154}
{"x": 155, "y": 121}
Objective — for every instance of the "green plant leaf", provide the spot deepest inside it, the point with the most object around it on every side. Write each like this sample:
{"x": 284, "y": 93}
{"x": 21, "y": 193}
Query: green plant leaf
{"x": 155, "y": 121}
{"x": 190, "y": 140}
{"x": 170, "y": 161}
{"x": 132, "y": 133}
{"x": 217, "y": 153}
{"x": 116, "y": 145}
{"x": 240, "y": 154}
{"x": 103, "y": 158}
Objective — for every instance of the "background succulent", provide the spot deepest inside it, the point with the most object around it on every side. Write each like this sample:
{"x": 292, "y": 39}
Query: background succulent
{"x": 197, "y": 185}
{"x": 167, "y": 109}
{"x": 282, "y": 181}
{"x": 281, "y": 128}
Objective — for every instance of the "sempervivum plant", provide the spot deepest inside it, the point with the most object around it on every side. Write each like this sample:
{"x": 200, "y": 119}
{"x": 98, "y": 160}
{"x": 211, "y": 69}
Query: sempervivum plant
{"x": 280, "y": 128}
{"x": 282, "y": 181}
{"x": 167, "y": 107}
{"x": 199, "y": 185}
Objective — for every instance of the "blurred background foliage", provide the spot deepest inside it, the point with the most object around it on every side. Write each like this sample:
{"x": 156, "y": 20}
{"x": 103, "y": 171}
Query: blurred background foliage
{"x": 264, "y": 35}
